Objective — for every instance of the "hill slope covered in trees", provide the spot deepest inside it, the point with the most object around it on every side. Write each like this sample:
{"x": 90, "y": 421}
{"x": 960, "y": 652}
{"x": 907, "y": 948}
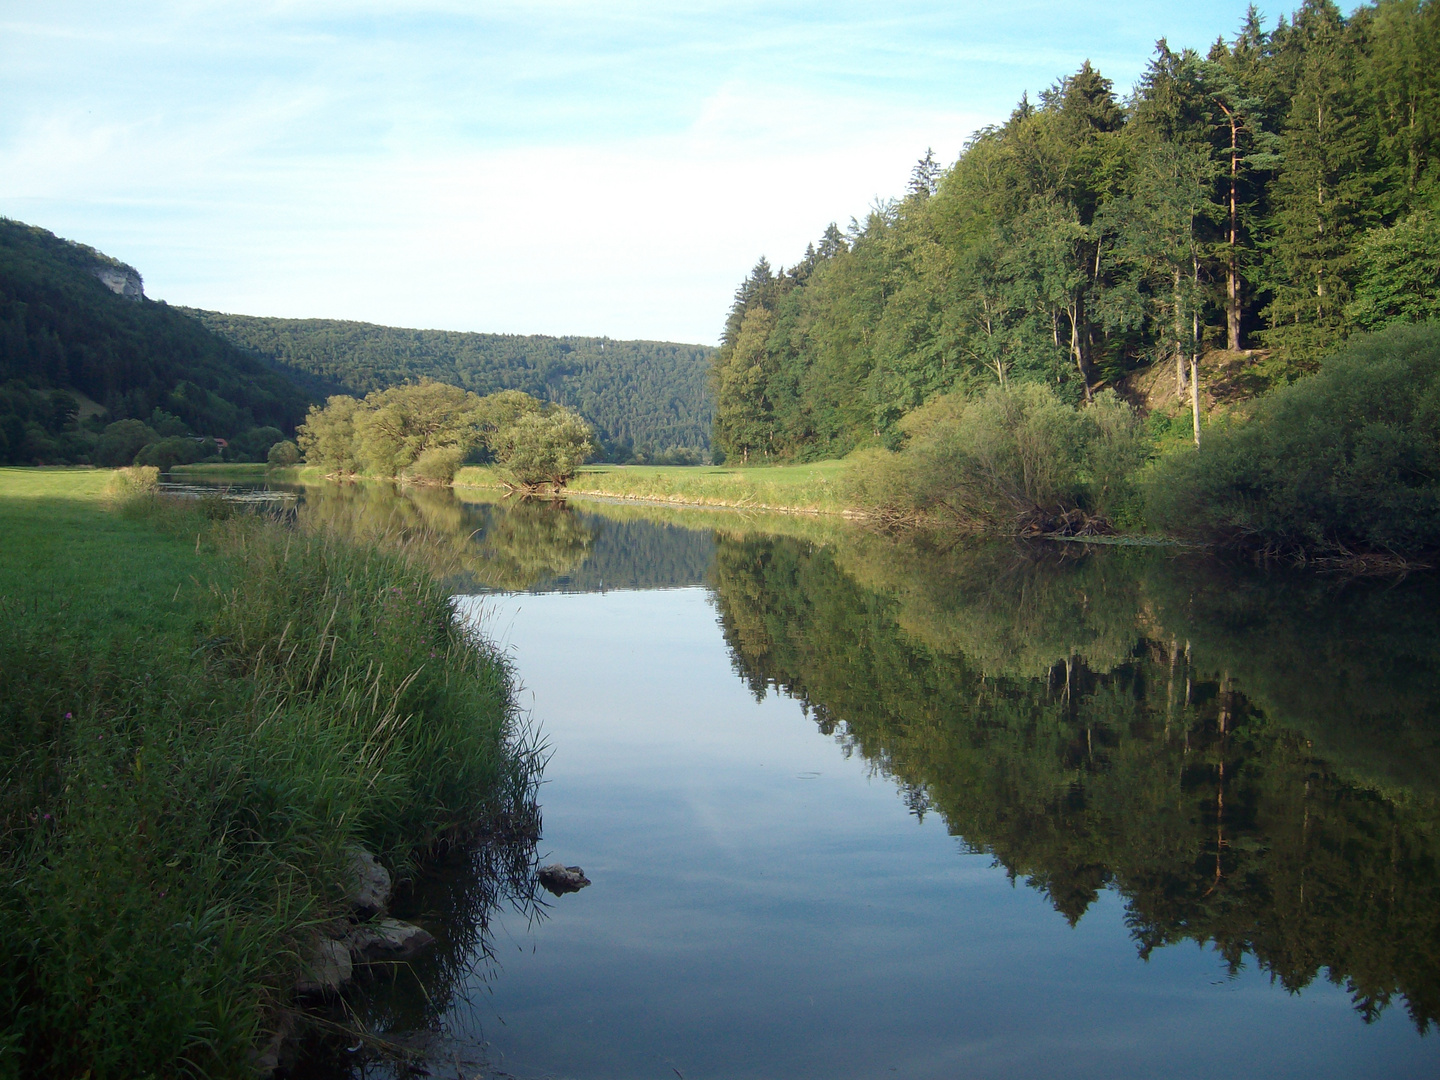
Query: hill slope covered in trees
{"x": 647, "y": 399}
{"x": 64, "y": 332}
{"x": 1280, "y": 191}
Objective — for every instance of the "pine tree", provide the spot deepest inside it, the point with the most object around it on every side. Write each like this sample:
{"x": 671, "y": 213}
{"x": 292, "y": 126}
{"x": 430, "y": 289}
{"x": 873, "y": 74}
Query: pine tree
{"x": 1235, "y": 78}
{"x": 925, "y": 177}
{"x": 1323, "y": 197}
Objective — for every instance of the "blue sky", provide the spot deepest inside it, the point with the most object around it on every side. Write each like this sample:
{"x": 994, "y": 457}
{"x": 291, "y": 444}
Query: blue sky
{"x": 512, "y": 167}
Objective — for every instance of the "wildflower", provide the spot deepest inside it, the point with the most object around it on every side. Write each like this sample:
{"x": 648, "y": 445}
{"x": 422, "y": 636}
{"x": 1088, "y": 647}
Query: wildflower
{"x": 67, "y": 716}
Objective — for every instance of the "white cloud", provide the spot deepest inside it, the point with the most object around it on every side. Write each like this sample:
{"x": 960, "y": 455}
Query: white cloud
{"x": 555, "y": 168}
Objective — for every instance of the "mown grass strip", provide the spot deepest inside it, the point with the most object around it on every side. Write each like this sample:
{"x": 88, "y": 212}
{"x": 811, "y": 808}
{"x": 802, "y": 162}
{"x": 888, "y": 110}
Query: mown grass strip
{"x": 248, "y": 472}
{"x": 814, "y": 488}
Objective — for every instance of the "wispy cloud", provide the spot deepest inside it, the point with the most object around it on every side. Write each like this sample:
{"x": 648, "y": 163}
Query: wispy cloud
{"x": 527, "y": 167}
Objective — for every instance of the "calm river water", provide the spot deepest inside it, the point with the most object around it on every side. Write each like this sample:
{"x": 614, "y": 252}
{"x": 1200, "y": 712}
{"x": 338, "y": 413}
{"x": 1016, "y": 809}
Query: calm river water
{"x": 863, "y": 807}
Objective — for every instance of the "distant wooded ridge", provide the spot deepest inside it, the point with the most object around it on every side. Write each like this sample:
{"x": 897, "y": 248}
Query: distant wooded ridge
{"x": 648, "y": 400}
{"x": 81, "y": 348}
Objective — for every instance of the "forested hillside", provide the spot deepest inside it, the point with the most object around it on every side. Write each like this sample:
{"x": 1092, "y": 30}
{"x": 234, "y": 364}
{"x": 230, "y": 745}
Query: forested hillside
{"x": 1274, "y": 193}
{"x": 64, "y": 332}
{"x": 648, "y": 400}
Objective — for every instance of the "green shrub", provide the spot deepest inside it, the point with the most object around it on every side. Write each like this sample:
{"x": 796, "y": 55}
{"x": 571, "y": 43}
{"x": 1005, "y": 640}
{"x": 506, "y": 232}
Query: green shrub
{"x": 544, "y": 447}
{"x": 176, "y": 450}
{"x": 435, "y": 466}
{"x": 121, "y": 441}
{"x": 1008, "y": 459}
{"x": 283, "y": 454}
{"x": 1347, "y": 459}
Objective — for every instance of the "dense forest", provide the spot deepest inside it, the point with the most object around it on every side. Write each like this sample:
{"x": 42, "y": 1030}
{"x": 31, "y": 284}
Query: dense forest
{"x": 1256, "y": 203}
{"x": 77, "y": 356}
{"x": 1100, "y": 722}
{"x": 648, "y": 400}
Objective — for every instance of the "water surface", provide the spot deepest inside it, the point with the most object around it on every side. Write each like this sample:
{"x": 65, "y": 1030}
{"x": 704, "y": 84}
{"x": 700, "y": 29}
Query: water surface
{"x": 859, "y": 807}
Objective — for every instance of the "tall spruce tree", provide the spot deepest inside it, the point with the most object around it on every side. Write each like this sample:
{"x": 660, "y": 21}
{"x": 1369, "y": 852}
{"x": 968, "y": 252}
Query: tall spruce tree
{"x": 1324, "y": 195}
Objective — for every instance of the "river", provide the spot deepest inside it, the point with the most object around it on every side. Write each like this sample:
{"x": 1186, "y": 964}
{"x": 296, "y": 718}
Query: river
{"x": 858, "y": 806}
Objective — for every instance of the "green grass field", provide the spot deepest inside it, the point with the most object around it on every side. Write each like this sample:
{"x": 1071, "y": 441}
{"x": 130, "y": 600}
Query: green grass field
{"x": 110, "y": 575}
{"x": 813, "y": 488}
{"x": 201, "y": 711}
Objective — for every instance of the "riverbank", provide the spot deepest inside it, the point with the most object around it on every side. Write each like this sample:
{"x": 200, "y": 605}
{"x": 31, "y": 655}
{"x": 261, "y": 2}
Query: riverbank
{"x": 251, "y": 472}
{"x": 204, "y": 714}
{"x": 806, "y": 489}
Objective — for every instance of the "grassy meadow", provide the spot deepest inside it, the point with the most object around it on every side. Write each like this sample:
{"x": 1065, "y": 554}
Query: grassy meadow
{"x": 812, "y": 488}
{"x": 203, "y": 712}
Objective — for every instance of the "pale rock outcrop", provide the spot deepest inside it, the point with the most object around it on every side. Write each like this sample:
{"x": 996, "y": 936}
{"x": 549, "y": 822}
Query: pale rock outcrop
{"x": 121, "y": 280}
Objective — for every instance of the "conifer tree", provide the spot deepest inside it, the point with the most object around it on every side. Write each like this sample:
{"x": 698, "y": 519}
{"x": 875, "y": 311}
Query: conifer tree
{"x": 1323, "y": 196}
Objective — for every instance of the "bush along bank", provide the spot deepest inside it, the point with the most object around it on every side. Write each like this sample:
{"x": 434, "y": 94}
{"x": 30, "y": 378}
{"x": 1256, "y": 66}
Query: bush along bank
{"x": 1341, "y": 466}
{"x": 1012, "y": 460}
{"x": 185, "y": 789}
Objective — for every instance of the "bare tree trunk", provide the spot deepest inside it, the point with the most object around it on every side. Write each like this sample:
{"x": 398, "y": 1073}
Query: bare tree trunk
{"x": 1179, "y": 346}
{"x": 1232, "y": 270}
{"x": 1195, "y": 396}
{"x": 1075, "y": 348}
{"x": 990, "y": 336}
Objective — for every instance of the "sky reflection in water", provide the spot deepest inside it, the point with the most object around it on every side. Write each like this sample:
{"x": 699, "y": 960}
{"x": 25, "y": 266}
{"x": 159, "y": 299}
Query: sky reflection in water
{"x": 765, "y": 907}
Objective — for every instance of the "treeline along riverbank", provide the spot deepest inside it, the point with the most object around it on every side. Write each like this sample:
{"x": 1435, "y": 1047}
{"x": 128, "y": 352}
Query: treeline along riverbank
{"x": 1248, "y": 210}
{"x": 205, "y": 713}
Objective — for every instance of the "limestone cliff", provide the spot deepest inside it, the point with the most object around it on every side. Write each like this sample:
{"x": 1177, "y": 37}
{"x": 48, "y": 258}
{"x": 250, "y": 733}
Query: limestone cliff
{"x": 122, "y": 280}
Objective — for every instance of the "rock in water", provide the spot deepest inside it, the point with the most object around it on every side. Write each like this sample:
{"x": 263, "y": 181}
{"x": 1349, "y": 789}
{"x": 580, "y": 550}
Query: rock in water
{"x": 370, "y": 885}
{"x": 562, "y": 879}
{"x": 387, "y": 939}
{"x": 329, "y": 968}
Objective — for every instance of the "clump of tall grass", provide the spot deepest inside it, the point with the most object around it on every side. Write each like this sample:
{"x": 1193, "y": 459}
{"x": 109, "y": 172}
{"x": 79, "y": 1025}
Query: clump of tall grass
{"x": 176, "y": 813}
{"x": 360, "y": 646}
{"x": 132, "y": 480}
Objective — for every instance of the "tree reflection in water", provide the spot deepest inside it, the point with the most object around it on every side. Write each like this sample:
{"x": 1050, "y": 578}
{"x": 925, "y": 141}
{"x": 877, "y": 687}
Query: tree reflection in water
{"x": 474, "y": 545}
{"x": 1248, "y": 759}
